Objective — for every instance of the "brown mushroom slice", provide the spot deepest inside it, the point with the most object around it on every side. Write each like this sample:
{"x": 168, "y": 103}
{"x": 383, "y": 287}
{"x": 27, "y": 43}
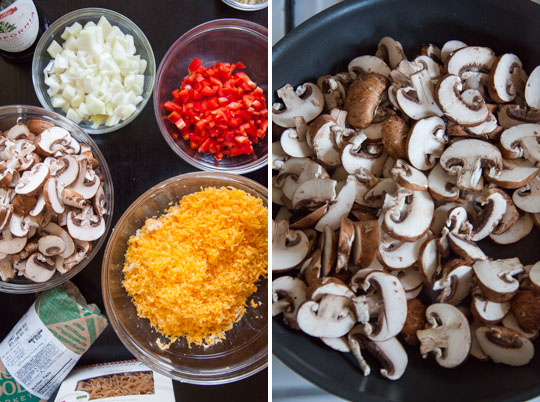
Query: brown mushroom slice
{"x": 341, "y": 208}
{"x": 340, "y": 344}
{"x": 432, "y": 67}
{"x": 39, "y": 268}
{"x": 456, "y": 282}
{"x": 510, "y": 216}
{"x": 390, "y": 353}
{"x": 393, "y": 134}
{"x": 329, "y": 244}
{"x": 368, "y": 64}
{"x": 513, "y": 115}
{"x": 366, "y": 242}
{"x": 467, "y": 158}
{"x": 345, "y": 241}
{"x": 431, "y": 51}
{"x": 428, "y": 261}
{"x": 501, "y": 86}
{"x": 37, "y": 126}
{"x": 504, "y": 345}
{"x": 534, "y": 275}
{"x": 32, "y": 180}
{"x": 18, "y": 131}
{"x": 326, "y": 313}
{"x": 295, "y": 172}
{"x": 408, "y": 214}
{"x": 441, "y": 185}
{"x": 496, "y": 278}
{"x": 448, "y": 335}
{"x": 40, "y": 205}
{"x": 307, "y": 101}
{"x": 426, "y": 142}
{"x": 279, "y": 157}
{"x": 304, "y": 221}
{"x": 288, "y": 294}
{"x": 397, "y": 254}
{"x": 527, "y": 198}
{"x": 532, "y": 89}
{"x": 56, "y": 141}
{"x": 289, "y": 247}
{"x": 51, "y": 245}
{"x": 516, "y": 173}
{"x": 536, "y": 219}
{"x": 411, "y": 280}
{"x": 450, "y": 47}
{"x": 68, "y": 172}
{"x": 324, "y": 145}
{"x": 510, "y": 321}
{"x": 417, "y": 101}
{"x": 416, "y": 319}
{"x": 374, "y": 197}
{"x": 82, "y": 250}
{"x": 519, "y": 230}
{"x": 293, "y": 143}
{"x": 522, "y": 141}
{"x": 408, "y": 177}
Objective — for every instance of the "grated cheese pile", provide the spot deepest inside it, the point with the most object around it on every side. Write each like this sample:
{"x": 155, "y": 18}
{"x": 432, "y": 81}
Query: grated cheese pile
{"x": 191, "y": 270}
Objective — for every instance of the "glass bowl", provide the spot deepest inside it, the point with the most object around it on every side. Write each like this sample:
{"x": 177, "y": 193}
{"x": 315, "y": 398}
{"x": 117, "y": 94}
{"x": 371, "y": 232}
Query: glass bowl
{"x": 226, "y": 40}
{"x": 84, "y": 15}
{"x": 8, "y": 118}
{"x": 244, "y": 350}
{"x": 246, "y": 7}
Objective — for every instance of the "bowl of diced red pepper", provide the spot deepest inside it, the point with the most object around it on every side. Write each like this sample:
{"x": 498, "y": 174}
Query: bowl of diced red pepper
{"x": 210, "y": 96}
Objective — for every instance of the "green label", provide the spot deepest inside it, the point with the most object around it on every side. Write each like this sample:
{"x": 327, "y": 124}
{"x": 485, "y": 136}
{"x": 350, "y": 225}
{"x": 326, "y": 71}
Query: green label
{"x": 11, "y": 391}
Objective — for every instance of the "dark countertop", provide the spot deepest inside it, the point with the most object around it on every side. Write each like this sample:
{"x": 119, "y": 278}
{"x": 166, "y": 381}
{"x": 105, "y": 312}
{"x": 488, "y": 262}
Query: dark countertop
{"x": 138, "y": 158}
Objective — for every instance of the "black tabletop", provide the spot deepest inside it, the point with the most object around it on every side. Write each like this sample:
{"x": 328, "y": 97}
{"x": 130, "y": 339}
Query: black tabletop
{"x": 138, "y": 158}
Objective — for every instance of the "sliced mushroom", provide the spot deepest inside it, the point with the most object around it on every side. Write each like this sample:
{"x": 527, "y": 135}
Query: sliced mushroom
{"x": 87, "y": 182}
{"x": 18, "y": 131}
{"x": 363, "y": 97}
{"x": 476, "y": 349}
{"x": 526, "y": 307}
{"x": 52, "y": 199}
{"x": 470, "y": 58}
{"x": 512, "y": 115}
{"x": 442, "y": 186}
{"x": 39, "y": 268}
{"x": 393, "y": 134}
{"x": 85, "y": 225}
{"x": 53, "y": 229}
{"x": 494, "y": 207}
{"x": 366, "y": 242}
{"x": 510, "y": 216}
{"x": 37, "y": 126}
{"x": 510, "y": 321}
{"x": 516, "y": 173}
{"x": 340, "y": 344}
{"x": 520, "y": 229}
{"x": 465, "y": 248}
{"x": 333, "y": 91}
{"x": 69, "y": 170}
{"x": 522, "y": 141}
{"x": 341, "y": 208}
{"x": 56, "y": 141}
{"x": 397, "y": 254}
{"x": 368, "y": 64}
{"x": 411, "y": 280}
{"x": 408, "y": 177}
{"x": 467, "y": 158}
{"x": 288, "y": 294}
{"x": 6, "y": 270}
{"x": 426, "y": 142}
{"x": 416, "y": 319}
{"x": 532, "y": 89}
{"x": 314, "y": 193}
{"x": 527, "y": 198}
{"x": 428, "y": 261}
{"x": 345, "y": 241}
{"x": 307, "y": 101}
{"x": 504, "y": 345}
{"x": 10, "y": 244}
{"x": 307, "y": 220}
{"x": 450, "y": 47}
{"x": 279, "y": 157}
{"x": 501, "y": 86}
{"x": 448, "y": 335}
{"x": 456, "y": 282}
{"x": 417, "y": 101}
{"x": 82, "y": 249}
{"x": 50, "y": 245}
{"x": 289, "y": 247}
{"x": 496, "y": 278}
{"x": 32, "y": 180}
{"x": 359, "y": 155}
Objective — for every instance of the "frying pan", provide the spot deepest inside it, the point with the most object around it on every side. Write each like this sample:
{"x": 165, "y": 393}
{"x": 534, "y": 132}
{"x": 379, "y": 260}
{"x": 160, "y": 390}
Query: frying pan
{"x": 324, "y": 45}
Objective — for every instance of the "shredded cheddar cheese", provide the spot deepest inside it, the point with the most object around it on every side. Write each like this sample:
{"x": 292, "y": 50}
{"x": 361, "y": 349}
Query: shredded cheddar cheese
{"x": 191, "y": 270}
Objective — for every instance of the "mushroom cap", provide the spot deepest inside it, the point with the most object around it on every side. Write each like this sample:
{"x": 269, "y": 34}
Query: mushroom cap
{"x": 467, "y": 158}
{"x": 504, "y": 345}
{"x": 522, "y": 141}
{"x": 416, "y": 319}
{"x": 363, "y": 97}
{"x": 449, "y": 335}
{"x": 496, "y": 278}
{"x": 510, "y": 321}
{"x": 526, "y": 307}
{"x": 501, "y": 87}
{"x": 393, "y": 133}
{"x": 307, "y": 101}
{"x": 289, "y": 247}
{"x": 532, "y": 89}
{"x": 426, "y": 142}
{"x": 288, "y": 294}
{"x": 527, "y": 198}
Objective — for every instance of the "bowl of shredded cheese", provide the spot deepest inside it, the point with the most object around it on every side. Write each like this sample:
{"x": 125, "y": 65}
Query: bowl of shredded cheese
{"x": 184, "y": 278}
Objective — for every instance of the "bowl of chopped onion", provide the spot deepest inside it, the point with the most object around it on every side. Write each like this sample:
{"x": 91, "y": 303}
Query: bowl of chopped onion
{"x": 184, "y": 285}
{"x": 96, "y": 67}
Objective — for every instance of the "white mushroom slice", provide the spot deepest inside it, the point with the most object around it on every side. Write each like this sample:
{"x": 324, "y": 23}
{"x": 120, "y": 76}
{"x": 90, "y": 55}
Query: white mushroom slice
{"x": 279, "y": 157}
{"x": 375, "y": 196}
{"x": 289, "y": 247}
{"x": 390, "y": 353}
{"x": 512, "y": 115}
{"x": 411, "y": 280}
{"x": 373, "y": 132}
{"x": 428, "y": 261}
{"x": 432, "y": 67}
{"x": 470, "y": 58}
{"x": 368, "y": 64}
{"x": 85, "y": 225}
{"x": 510, "y": 321}
{"x": 10, "y": 244}
{"x": 39, "y": 268}
{"x": 408, "y": 214}
{"x": 68, "y": 172}
{"x": 532, "y": 89}
{"x": 17, "y": 226}
{"x": 397, "y": 254}
{"x": 408, "y": 177}
{"x": 51, "y": 245}
{"x": 516, "y": 173}
{"x": 418, "y": 101}
{"x": 52, "y": 199}
{"x": 277, "y": 193}
{"x": 450, "y": 47}
{"x": 476, "y": 349}
{"x": 501, "y": 86}
{"x": 345, "y": 241}
{"x": 82, "y": 250}
{"x": 520, "y": 229}
{"x": 283, "y": 214}
{"x": 431, "y": 51}
{"x": 456, "y": 282}
{"x": 288, "y": 294}
{"x": 307, "y": 101}
{"x": 493, "y": 209}
{"x": 467, "y": 158}
{"x": 297, "y": 171}
{"x": 87, "y": 182}
{"x": 390, "y": 51}
{"x": 504, "y": 345}
{"x": 534, "y": 275}
{"x": 329, "y": 244}
{"x": 355, "y": 157}
{"x": 340, "y": 344}
{"x": 448, "y": 335}
{"x": 56, "y": 141}
{"x": 313, "y": 193}
{"x": 55, "y": 230}
{"x": 293, "y": 141}
{"x": 442, "y": 186}
{"x": 304, "y": 221}
{"x": 510, "y": 216}
{"x": 324, "y": 146}
{"x": 527, "y": 198}
{"x": 426, "y": 142}
{"x": 18, "y": 131}
{"x": 32, "y": 180}
{"x": 465, "y": 248}
{"x": 366, "y": 242}
{"x": 496, "y": 278}
{"x": 341, "y": 208}
{"x": 522, "y": 141}
{"x": 448, "y": 93}
{"x": 333, "y": 91}
{"x": 40, "y": 205}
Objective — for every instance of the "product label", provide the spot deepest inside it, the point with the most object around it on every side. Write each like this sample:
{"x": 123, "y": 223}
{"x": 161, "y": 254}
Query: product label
{"x": 19, "y": 26}
{"x": 34, "y": 357}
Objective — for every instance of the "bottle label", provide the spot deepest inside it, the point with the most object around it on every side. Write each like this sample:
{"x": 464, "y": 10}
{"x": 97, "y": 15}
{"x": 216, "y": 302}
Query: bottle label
{"x": 19, "y": 26}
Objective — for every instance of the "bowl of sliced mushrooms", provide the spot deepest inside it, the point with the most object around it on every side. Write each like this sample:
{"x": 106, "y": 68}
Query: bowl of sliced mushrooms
{"x": 56, "y": 199}
{"x": 406, "y": 234}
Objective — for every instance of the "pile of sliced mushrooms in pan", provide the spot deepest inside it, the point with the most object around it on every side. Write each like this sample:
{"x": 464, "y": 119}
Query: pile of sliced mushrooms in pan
{"x": 52, "y": 201}
{"x": 387, "y": 176}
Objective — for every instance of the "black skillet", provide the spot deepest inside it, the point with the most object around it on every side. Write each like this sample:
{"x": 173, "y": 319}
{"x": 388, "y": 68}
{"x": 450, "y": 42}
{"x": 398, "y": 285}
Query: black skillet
{"x": 324, "y": 45}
